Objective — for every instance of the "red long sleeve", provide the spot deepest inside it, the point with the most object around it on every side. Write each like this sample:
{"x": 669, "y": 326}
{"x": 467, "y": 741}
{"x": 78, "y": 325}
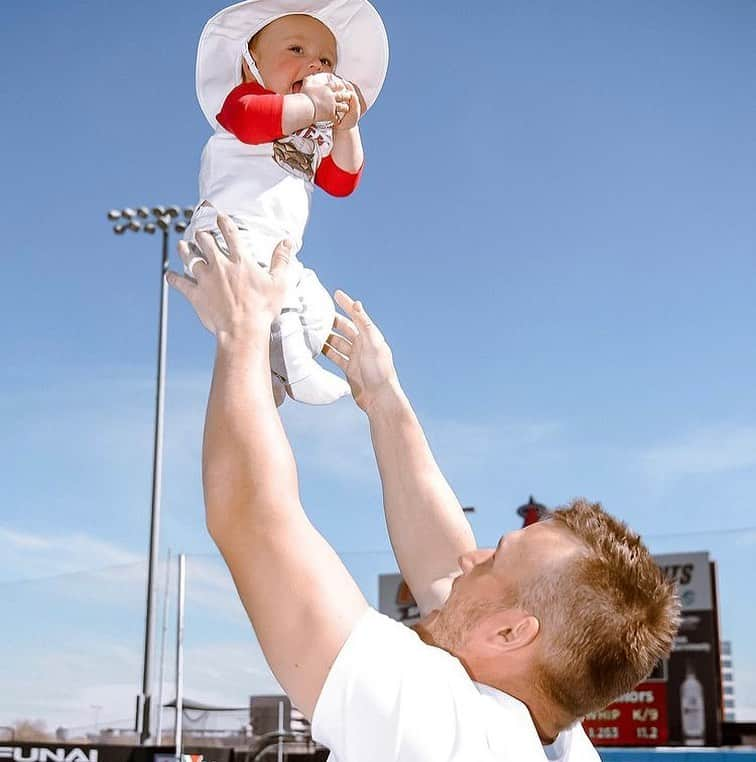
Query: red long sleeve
{"x": 335, "y": 180}
{"x": 253, "y": 114}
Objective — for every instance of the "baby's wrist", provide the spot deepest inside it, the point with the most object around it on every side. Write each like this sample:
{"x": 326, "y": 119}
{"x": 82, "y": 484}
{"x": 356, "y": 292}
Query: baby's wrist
{"x": 299, "y": 112}
{"x": 312, "y": 104}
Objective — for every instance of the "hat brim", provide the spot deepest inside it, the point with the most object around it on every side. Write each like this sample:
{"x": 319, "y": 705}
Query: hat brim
{"x": 361, "y": 41}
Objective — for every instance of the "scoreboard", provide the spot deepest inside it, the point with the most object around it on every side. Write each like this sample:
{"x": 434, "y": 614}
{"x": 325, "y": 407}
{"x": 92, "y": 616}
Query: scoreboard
{"x": 680, "y": 703}
{"x": 638, "y": 718}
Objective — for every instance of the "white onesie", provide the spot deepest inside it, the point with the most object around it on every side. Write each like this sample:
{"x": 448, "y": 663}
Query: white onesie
{"x": 266, "y": 189}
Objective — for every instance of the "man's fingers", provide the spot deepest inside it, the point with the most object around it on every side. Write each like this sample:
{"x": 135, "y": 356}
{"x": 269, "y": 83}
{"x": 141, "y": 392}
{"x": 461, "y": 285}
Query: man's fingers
{"x": 335, "y": 356}
{"x": 340, "y": 344}
{"x": 354, "y": 309}
{"x": 181, "y": 283}
{"x": 350, "y": 306}
{"x": 279, "y": 263}
{"x": 344, "y": 300}
{"x": 184, "y": 252}
{"x": 187, "y": 251}
{"x": 361, "y": 318}
{"x": 345, "y": 327}
{"x": 231, "y": 235}
{"x": 190, "y": 256}
{"x": 208, "y": 247}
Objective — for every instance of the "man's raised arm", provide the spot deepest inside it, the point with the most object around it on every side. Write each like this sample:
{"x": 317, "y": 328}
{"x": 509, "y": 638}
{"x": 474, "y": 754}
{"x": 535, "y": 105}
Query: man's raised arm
{"x": 302, "y": 602}
{"x": 426, "y": 524}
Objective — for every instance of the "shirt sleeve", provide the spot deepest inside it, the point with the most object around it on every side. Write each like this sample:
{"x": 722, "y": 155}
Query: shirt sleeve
{"x": 389, "y": 697}
{"x": 253, "y": 114}
{"x": 335, "y": 180}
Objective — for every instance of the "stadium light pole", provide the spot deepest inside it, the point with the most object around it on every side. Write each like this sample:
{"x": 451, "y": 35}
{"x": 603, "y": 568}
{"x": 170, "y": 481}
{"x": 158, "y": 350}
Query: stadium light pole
{"x": 150, "y": 220}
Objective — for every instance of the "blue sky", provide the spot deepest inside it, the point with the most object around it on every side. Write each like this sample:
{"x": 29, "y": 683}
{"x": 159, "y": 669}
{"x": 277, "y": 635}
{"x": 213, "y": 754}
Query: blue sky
{"x": 555, "y": 231}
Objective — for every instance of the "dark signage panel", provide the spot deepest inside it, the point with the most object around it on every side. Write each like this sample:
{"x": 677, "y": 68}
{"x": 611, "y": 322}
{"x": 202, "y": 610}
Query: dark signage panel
{"x": 683, "y": 695}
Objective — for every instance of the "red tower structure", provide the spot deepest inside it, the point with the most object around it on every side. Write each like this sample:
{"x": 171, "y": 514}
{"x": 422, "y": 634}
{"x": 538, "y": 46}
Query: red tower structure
{"x": 532, "y": 512}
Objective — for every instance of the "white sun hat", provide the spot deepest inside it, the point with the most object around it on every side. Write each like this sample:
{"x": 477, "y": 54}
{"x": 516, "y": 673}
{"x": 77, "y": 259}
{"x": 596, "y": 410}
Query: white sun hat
{"x": 361, "y": 44}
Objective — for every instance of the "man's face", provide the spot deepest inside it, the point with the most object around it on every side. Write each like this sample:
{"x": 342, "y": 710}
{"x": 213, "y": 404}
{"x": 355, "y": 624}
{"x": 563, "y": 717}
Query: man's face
{"x": 291, "y": 48}
{"x": 489, "y": 580}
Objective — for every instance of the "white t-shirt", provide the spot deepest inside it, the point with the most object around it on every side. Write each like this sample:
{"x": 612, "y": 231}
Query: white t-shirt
{"x": 389, "y": 697}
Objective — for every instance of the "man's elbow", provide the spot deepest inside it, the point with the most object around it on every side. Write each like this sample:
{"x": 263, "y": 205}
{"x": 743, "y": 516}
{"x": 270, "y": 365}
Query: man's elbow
{"x": 231, "y": 514}
{"x": 219, "y": 517}
{"x": 216, "y": 527}
{"x": 226, "y": 504}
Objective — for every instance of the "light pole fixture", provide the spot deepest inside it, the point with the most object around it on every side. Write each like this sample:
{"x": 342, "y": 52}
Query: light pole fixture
{"x": 148, "y": 220}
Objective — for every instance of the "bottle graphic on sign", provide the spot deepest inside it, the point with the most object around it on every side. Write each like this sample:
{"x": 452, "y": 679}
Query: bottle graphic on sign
{"x": 692, "y": 706}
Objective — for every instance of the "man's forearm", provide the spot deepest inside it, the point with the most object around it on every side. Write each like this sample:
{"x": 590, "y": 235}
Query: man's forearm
{"x": 426, "y": 524}
{"x": 249, "y": 473}
{"x": 300, "y": 599}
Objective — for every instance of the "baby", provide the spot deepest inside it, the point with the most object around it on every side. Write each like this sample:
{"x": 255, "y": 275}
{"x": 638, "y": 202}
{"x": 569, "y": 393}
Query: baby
{"x": 285, "y": 122}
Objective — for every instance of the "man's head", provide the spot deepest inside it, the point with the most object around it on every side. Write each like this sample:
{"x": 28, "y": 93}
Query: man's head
{"x": 574, "y": 606}
{"x": 289, "y": 49}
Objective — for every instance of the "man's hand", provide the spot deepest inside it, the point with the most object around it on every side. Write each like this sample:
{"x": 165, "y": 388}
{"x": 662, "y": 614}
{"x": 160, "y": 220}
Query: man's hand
{"x": 232, "y": 294}
{"x": 359, "y": 349}
{"x": 329, "y": 96}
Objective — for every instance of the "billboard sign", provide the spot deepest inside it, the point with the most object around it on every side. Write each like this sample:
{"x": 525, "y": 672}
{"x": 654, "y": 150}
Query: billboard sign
{"x": 396, "y": 600}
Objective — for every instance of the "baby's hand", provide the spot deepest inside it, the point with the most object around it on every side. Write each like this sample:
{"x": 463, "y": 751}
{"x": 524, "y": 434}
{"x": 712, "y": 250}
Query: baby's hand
{"x": 356, "y": 104}
{"x": 329, "y": 95}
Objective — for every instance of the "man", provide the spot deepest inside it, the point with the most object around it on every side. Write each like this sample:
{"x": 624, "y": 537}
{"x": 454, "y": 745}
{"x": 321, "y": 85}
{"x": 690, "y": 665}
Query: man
{"x": 516, "y": 643}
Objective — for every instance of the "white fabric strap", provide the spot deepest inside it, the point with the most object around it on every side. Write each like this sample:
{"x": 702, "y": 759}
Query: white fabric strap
{"x": 247, "y": 56}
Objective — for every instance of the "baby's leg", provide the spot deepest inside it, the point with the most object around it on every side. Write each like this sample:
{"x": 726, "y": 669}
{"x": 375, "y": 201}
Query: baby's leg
{"x": 292, "y": 345}
{"x": 277, "y": 383}
{"x": 318, "y": 311}
{"x": 307, "y": 381}
{"x": 291, "y": 358}
{"x": 297, "y": 337}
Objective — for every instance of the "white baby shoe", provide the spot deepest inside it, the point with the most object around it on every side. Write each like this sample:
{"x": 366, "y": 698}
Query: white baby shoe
{"x": 292, "y": 360}
{"x": 298, "y": 336}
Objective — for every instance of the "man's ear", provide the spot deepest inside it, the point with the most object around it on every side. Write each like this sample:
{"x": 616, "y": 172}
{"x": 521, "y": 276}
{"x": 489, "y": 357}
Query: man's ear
{"x": 513, "y": 629}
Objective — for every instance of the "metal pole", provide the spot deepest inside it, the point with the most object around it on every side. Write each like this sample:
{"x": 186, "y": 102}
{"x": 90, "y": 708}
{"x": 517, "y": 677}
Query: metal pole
{"x": 157, "y": 463}
{"x": 280, "y": 730}
{"x": 163, "y": 633}
{"x": 180, "y": 654}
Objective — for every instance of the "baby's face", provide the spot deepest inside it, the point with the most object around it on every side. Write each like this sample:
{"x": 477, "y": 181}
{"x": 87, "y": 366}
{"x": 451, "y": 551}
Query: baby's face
{"x": 291, "y": 48}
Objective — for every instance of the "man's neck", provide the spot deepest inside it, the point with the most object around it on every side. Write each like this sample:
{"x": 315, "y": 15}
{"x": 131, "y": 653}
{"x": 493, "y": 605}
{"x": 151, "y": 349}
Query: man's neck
{"x": 548, "y": 720}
